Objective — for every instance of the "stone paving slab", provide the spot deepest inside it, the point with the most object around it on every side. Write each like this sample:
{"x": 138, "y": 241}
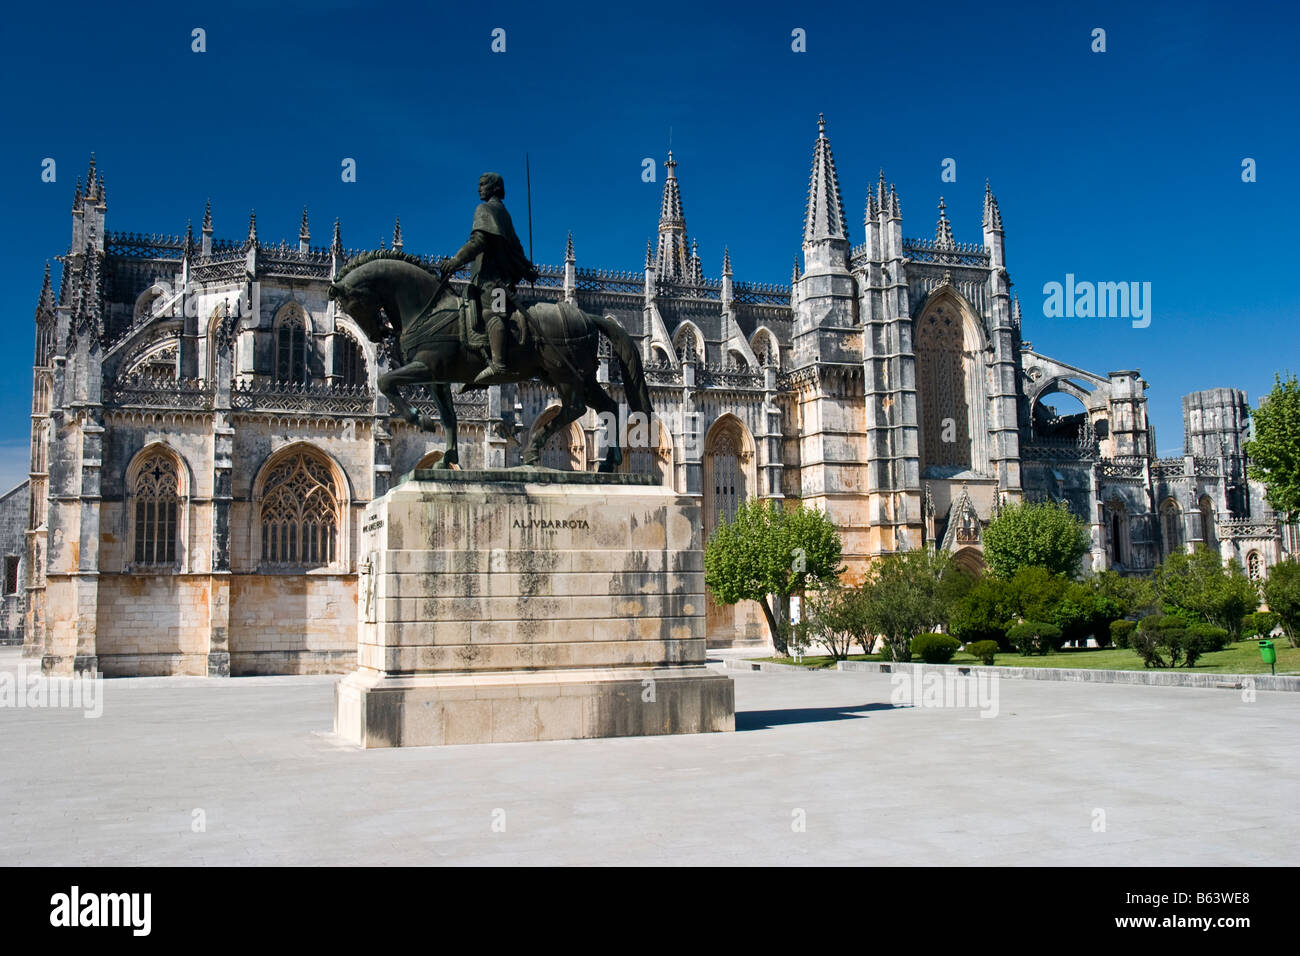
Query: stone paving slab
{"x": 1184, "y": 776}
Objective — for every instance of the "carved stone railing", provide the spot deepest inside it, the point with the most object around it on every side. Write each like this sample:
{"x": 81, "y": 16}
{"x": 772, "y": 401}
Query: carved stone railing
{"x": 146, "y": 391}
{"x": 718, "y": 376}
{"x": 957, "y": 254}
{"x": 312, "y": 399}
{"x": 1168, "y": 468}
{"x": 1263, "y": 527}
{"x": 656, "y": 373}
{"x": 1059, "y": 451}
{"x": 1121, "y": 467}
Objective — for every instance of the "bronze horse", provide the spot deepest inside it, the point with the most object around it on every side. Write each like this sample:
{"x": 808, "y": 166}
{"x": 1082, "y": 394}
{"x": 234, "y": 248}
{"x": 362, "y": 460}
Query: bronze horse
{"x": 559, "y": 347}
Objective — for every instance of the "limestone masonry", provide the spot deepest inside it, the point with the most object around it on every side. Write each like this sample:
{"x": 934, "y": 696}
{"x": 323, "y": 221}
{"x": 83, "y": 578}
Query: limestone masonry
{"x": 207, "y": 435}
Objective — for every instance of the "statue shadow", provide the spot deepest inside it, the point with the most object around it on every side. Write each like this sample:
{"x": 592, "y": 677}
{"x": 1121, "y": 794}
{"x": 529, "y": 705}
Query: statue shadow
{"x": 765, "y": 719}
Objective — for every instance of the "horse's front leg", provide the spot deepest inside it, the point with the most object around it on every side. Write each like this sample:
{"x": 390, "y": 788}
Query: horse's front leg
{"x": 447, "y": 412}
{"x": 412, "y": 373}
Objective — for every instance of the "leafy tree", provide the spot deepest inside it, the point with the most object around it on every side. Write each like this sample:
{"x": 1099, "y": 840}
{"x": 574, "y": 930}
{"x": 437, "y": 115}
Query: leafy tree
{"x": 983, "y": 612}
{"x": 1083, "y": 610}
{"x": 1038, "y": 592}
{"x": 1199, "y": 585}
{"x": 904, "y": 595}
{"x": 1274, "y": 452}
{"x": 834, "y": 617}
{"x": 1135, "y": 597}
{"x": 1282, "y": 594}
{"x": 766, "y": 554}
{"x": 1044, "y": 535}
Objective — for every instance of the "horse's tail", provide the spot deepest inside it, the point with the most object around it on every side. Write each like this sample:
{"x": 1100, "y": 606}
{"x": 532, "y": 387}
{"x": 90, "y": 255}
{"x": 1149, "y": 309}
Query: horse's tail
{"x": 629, "y": 363}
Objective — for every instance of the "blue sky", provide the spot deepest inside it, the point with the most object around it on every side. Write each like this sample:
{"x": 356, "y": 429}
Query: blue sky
{"x": 1115, "y": 166}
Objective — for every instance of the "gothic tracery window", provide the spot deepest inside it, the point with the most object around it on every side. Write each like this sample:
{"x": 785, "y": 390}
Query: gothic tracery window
{"x": 1207, "y": 520}
{"x": 291, "y": 350}
{"x": 726, "y": 479}
{"x": 157, "y": 507}
{"x": 300, "y": 513}
{"x": 941, "y": 382}
{"x": 349, "y": 361}
{"x": 1253, "y": 565}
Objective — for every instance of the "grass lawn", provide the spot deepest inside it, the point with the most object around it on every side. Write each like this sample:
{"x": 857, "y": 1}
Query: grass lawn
{"x": 1240, "y": 658}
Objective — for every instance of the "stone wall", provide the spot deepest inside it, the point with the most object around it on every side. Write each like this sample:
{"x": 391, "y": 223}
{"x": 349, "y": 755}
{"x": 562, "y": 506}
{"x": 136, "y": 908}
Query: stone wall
{"x": 13, "y": 566}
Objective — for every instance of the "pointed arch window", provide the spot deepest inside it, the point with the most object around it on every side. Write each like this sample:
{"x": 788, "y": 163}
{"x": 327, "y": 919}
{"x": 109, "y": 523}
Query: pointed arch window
{"x": 1253, "y": 565}
{"x": 1207, "y": 519}
{"x": 941, "y": 379}
{"x": 291, "y": 350}
{"x": 1171, "y": 521}
{"x": 156, "y": 496}
{"x": 299, "y": 513}
{"x": 349, "y": 361}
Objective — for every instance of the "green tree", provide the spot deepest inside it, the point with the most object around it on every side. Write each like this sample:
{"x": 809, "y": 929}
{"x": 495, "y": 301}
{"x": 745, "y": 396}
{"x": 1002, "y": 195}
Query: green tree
{"x": 1282, "y": 594}
{"x": 904, "y": 596}
{"x": 765, "y": 554}
{"x": 983, "y": 613}
{"x": 1044, "y": 535}
{"x": 1274, "y": 452}
{"x": 1199, "y": 585}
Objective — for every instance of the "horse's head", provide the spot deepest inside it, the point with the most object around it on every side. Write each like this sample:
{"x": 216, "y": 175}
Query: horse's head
{"x": 355, "y": 297}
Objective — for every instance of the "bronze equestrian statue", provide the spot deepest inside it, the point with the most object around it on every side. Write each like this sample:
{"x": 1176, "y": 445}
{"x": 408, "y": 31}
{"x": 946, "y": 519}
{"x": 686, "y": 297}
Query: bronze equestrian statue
{"x": 390, "y": 293}
{"x": 499, "y": 265}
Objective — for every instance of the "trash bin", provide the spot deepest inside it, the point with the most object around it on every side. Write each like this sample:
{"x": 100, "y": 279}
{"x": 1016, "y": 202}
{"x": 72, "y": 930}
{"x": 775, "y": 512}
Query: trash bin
{"x": 1269, "y": 654}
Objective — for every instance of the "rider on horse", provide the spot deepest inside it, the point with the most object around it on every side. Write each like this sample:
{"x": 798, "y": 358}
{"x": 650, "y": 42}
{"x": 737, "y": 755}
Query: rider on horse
{"x": 499, "y": 264}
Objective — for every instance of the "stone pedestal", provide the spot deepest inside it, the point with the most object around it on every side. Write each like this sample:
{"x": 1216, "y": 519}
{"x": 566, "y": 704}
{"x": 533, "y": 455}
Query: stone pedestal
{"x": 506, "y": 606}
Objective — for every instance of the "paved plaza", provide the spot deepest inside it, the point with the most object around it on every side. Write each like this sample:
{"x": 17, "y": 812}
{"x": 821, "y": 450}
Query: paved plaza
{"x": 822, "y": 769}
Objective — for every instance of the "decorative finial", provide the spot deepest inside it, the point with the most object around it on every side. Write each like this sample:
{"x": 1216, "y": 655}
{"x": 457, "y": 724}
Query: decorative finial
{"x": 568, "y": 248}
{"x": 304, "y": 234}
{"x": 943, "y": 229}
{"x": 649, "y": 255}
{"x": 821, "y": 125}
{"x": 397, "y": 233}
{"x": 726, "y": 261}
{"x": 252, "y": 226}
{"x": 207, "y": 217}
{"x": 336, "y": 246}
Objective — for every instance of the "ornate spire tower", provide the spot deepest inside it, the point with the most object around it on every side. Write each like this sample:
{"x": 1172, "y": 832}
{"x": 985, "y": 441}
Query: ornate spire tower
{"x": 673, "y": 260}
{"x": 826, "y": 313}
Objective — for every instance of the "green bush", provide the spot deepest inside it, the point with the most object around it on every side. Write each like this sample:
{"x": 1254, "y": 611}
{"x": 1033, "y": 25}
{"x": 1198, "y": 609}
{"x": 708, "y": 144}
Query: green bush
{"x": 1209, "y": 638}
{"x": 984, "y": 650}
{"x": 935, "y": 648}
{"x": 1121, "y": 632}
{"x": 1258, "y": 624}
{"x": 1034, "y": 637}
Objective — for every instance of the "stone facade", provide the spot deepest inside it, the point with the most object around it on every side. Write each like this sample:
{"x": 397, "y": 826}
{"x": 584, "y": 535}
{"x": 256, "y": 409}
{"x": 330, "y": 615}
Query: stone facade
{"x": 206, "y": 430}
{"x": 14, "y": 512}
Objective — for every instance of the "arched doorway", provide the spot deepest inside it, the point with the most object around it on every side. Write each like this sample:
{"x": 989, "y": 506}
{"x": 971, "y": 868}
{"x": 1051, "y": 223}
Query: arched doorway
{"x": 729, "y": 477}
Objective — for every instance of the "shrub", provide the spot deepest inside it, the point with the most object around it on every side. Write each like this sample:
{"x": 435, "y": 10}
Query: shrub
{"x": 984, "y": 650}
{"x": 1121, "y": 632}
{"x": 1258, "y": 624}
{"x": 1034, "y": 637}
{"x": 1209, "y": 638}
{"x": 935, "y": 648}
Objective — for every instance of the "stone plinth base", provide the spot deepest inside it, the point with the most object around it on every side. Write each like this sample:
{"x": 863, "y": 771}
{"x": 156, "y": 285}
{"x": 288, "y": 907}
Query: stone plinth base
{"x": 506, "y": 606}
{"x": 420, "y": 711}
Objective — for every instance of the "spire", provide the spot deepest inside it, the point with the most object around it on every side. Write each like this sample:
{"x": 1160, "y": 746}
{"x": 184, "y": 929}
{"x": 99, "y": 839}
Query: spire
{"x": 894, "y": 212}
{"x": 397, "y": 234}
{"x": 943, "y": 229}
{"x": 101, "y": 194}
{"x": 992, "y": 215}
{"x": 189, "y": 239}
{"x": 46, "y": 302}
{"x": 252, "y": 229}
{"x": 824, "y": 216}
{"x": 649, "y": 255}
{"x": 336, "y": 245}
{"x": 207, "y": 218}
{"x": 672, "y": 259}
{"x": 568, "y": 248}
{"x": 726, "y": 261}
{"x": 76, "y": 196}
{"x": 1015, "y": 310}
{"x": 304, "y": 233}
{"x": 90, "y": 179}
{"x": 794, "y": 276}
{"x": 873, "y": 210}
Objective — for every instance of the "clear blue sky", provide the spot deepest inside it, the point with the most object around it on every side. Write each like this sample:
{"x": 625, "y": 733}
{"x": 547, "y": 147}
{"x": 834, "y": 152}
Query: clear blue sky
{"x": 1124, "y": 165}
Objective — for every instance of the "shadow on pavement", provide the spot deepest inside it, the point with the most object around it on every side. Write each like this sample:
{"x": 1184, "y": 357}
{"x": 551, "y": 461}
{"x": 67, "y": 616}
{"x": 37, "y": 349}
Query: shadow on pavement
{"x": 762, "y": 719}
